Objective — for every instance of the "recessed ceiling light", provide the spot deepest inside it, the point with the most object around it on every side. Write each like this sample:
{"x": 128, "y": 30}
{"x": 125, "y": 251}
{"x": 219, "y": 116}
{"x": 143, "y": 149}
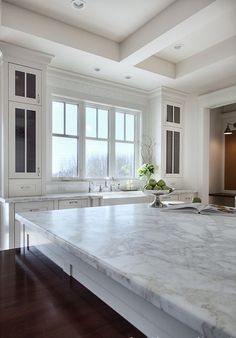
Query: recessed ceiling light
{"x": 178, "y": 46}
{"x": 78, "y": 4}
{"x": 128, "y": 77}
{"x": 97, "y": 69}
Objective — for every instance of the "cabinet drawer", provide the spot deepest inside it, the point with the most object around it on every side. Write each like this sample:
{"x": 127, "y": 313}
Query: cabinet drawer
{"x": 29, "y": 187}
{"x": 170, "y": 198}
{"x": 78, "y": 203}
{"x": 187, "y": 198}
{"x": 34, "y": 206}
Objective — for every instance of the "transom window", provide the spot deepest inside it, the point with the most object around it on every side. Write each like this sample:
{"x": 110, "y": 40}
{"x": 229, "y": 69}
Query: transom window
{"x": 93, "y": 141}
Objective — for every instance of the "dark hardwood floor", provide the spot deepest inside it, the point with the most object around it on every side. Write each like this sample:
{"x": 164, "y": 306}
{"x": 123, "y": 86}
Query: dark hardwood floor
{"x": 38, "y": 300}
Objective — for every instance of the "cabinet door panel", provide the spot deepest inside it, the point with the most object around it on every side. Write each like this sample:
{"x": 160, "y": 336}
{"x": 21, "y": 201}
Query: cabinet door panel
{"x": 19, "y": 83}
{"x": 31, "y": 141}
{"x": 24, "y": 84}
{"x": 24, "y": 141}
{"x": 19, "y": 140}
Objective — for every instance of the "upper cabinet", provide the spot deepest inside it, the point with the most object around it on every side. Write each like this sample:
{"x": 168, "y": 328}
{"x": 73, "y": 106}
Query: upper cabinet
{"x": 173, "y": 114}
{"x": 25, "y": 84}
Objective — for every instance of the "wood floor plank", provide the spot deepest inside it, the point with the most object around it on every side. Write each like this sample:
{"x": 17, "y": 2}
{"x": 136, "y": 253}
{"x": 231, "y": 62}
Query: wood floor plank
{"x": 38, "y": 300}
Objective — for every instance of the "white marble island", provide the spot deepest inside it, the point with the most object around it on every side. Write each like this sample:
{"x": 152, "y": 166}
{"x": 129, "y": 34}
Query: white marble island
{"x": 175, "y": 271}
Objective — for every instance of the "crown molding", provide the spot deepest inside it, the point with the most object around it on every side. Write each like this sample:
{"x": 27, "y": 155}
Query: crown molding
{"x": 166, "y": 92}
{"x": 10, "y": 51}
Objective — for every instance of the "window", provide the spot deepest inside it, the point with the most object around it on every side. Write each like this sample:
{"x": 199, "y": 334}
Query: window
{"x": 95, "y": 142}
{"x": 173, "y": 132}
{"x": 124, "y": 145}
{"x": 65, "y": 139}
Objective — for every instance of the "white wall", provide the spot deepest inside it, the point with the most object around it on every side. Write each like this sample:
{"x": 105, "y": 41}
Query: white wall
{"x": 191, "y": 155}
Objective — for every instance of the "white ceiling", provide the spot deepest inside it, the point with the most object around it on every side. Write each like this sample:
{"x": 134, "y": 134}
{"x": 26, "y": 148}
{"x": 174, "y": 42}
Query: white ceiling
{"x": 215, "y": 31}
{"x": 207, "y": 28}
{"x": 113, "y": 19}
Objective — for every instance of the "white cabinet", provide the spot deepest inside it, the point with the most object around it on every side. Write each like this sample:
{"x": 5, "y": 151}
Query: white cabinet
{"x": 25, "y": 141}
{"x": 28, "y": 207}
{"x": 24, "y": 84}
{"x": 74, "y": 203}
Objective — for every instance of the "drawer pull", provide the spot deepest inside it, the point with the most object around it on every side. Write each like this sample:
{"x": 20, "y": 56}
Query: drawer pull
{"x": 36, "y": 209}
{"x": 73, "y": 202}
{"x": 25, "y": 187}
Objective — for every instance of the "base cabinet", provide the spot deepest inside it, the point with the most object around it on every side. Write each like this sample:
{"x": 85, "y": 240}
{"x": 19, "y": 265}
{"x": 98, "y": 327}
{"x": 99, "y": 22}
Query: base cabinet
{"x": 10, "y": 229}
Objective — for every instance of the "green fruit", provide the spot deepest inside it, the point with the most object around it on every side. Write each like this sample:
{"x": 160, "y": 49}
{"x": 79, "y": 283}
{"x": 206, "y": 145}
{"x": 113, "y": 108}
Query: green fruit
{"x": 161, "y": 183}
{"x": 196, "y": 200}
{"x": 152, "y": 182}
{"x": 157, "y": 187}
{"x": 149, "y": 187}
{"x": 165, "y": 187}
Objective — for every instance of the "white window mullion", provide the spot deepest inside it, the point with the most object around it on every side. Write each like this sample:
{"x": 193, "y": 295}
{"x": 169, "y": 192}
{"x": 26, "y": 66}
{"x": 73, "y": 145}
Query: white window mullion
{"x": 136, "y": 143}
{"x": 82, "y": 138}
{"x": 111, "y": 143}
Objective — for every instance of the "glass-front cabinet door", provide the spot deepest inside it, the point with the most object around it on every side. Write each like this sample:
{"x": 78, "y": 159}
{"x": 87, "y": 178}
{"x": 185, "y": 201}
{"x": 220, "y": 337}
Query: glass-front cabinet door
{"x": 24, "y": 84}
{"x": 24, "y": 141}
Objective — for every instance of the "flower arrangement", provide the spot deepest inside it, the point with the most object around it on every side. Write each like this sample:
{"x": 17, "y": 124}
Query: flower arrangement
{"x": 147, "y": 169}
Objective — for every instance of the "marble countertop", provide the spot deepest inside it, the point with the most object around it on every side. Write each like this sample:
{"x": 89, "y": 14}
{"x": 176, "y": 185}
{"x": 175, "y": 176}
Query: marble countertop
{"x": 185, "y": 264}
{"x": 64, "y": 196}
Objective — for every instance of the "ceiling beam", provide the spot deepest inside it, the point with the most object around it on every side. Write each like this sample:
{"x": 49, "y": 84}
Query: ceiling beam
{"x": 158, "y": 66}
{"x": 29, "y": 22}
{"x": 172, "y": 24}
{"x": 206, "y": 58}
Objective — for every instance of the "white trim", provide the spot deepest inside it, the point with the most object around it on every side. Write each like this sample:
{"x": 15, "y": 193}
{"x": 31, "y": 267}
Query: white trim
{"x": 25, "y": 56}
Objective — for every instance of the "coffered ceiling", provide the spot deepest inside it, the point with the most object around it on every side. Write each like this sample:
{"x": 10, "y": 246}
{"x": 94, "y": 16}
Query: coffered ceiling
{"x": 112, "y": 19}
{"x": 133, "y": 38}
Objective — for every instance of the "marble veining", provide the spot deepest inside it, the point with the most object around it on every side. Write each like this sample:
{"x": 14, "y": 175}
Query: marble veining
{"x": 65, "y": 196}
{"x": 183, "y": 263}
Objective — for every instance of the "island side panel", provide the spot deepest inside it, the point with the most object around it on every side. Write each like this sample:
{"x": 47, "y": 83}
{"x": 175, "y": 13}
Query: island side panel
{"x": 150, "y": 320}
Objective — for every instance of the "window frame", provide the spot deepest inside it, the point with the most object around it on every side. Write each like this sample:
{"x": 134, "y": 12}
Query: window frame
{"x": 64, "y": 135}
{"x": 97, "y": 107}
{"x": 134, "y": 142}
{"x": 81, "y": 135}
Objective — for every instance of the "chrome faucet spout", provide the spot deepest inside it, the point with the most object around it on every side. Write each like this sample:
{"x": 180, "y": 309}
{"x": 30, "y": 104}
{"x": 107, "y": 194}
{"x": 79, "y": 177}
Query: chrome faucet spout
{"x": 90, "y": 188}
